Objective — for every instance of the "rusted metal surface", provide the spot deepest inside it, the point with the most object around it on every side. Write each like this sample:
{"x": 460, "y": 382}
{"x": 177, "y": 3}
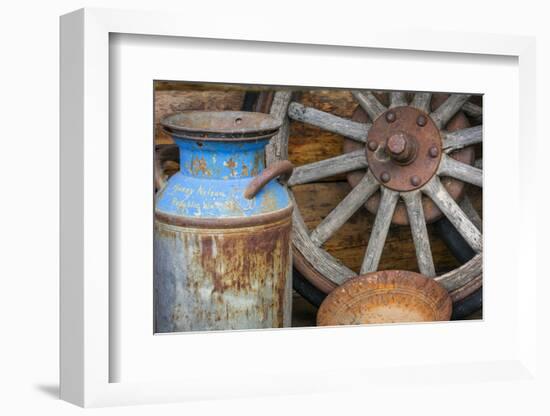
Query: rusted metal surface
{"x": 386, "y": 297}
{"x": 403, "y": 150}
{"x": 222, "y": 253}
{"x": 219, "y": 125}
{"x": 281, "y": 168}
{"x": 220, "y": 279}
{"x": 454, "y": 187}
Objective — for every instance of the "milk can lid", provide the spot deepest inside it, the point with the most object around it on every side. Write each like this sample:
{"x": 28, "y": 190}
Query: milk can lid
{"x": 221, "y": 125}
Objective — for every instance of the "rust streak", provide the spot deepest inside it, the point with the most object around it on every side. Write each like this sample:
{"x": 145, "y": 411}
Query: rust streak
{"x": 200, "y": 165}
{"x": 245, "y": 271}
{"x": 231, "y": 164}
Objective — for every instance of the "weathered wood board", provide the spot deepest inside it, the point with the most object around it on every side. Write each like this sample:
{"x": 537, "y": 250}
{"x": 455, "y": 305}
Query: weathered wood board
{"x": 173, "y": 101}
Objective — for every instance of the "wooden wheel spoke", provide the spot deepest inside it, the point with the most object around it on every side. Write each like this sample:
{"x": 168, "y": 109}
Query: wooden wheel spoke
{"x": 472, "y": 110}
{"x": 397, "y": 99}
{"x": 422, "y": 100}
{"x": 379, "y": 230}
{"x": 320, "y": 260}
{"x": 462, "y": 171}
{"x": 448, "y": 109}
{"x": 329, "y": 122}
{"x": 419, "y": 231}
{"x": 369, "y": 103}
{"x": 439, "y": 195}
{"x": 311, "y": 172}
{"x": 277, "y": 148}
{"x": 459, "y": 139}
{"x": 345, "y": 209}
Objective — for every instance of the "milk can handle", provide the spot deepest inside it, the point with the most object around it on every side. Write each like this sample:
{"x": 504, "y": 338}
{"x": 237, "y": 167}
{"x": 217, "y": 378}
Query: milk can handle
{"x": 281, "y": 168}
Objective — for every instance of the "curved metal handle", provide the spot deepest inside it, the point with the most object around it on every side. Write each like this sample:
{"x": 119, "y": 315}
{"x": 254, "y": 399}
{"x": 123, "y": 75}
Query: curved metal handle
{"x": 162, "y": 155}
{"x": 281, "y": 168}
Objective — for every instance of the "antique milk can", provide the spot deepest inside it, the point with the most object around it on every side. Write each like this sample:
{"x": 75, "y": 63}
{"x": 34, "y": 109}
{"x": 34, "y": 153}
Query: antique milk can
{"x": 222, "y": 227}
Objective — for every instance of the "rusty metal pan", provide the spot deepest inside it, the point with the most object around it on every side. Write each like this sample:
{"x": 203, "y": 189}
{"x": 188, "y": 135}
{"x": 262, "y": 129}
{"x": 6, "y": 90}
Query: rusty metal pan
{"x": 219, "y": 126}
{"x": 388, "y": 296}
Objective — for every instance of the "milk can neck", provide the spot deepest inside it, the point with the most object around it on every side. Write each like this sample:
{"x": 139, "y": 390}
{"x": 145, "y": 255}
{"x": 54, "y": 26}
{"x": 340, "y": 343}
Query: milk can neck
{"x": 221, "y": 159}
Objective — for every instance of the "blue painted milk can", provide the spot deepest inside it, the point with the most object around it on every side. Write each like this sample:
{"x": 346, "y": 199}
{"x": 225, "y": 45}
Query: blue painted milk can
{"x": 222, "y": 227}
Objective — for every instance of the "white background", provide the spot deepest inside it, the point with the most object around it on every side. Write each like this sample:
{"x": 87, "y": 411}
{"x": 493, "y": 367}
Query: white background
{"x": 29, "y": 209}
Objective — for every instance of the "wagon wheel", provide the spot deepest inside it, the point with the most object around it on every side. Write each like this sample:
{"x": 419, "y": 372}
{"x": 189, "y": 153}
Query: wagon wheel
{"x": 410, "y": 156}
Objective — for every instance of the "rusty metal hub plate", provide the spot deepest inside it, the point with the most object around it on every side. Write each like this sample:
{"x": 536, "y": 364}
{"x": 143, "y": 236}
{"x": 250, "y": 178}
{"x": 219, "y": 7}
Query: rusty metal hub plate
{"x": 386, "y": 297}
{"x": 403, "y": 149}
{"x": 454, "y": 186}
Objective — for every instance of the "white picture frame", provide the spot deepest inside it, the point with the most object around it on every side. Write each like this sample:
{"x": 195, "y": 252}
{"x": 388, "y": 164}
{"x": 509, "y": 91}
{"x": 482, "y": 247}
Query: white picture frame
{"x": 89, "y": 164}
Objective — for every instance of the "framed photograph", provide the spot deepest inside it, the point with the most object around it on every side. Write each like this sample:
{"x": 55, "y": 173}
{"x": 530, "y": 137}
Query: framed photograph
{"x": 245, "y": 216}
{"x": 356, "y": 174}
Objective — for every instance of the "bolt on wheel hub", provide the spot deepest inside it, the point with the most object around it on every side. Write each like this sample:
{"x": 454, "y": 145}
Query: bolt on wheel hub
{"x": 403, "y": 149}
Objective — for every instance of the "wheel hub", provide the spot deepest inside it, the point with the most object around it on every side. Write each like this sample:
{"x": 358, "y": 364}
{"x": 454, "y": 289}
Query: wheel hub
{"x": 453, "y": 186}
{"x": 404, "y": 149}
